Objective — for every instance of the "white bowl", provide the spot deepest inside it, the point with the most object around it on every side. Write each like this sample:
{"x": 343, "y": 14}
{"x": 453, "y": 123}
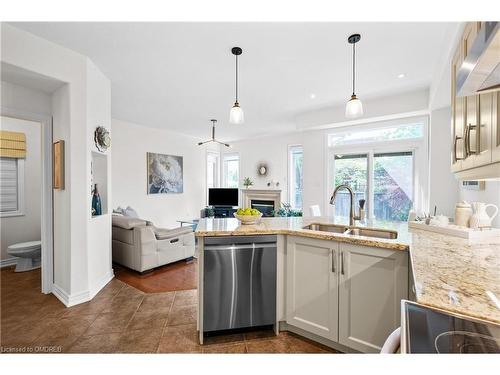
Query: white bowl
{"x": 248, "y": 219}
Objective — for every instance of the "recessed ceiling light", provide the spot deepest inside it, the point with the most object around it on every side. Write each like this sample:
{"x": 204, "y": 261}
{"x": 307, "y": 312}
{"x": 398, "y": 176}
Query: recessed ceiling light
{"x": 312, "y": 96}
{"x": 402, "y": 75}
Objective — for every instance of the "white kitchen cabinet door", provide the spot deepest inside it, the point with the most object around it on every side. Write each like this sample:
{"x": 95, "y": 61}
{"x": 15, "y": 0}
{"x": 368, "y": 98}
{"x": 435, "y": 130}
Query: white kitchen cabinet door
{"x": 373, "y": 282}
{"x": 495, "y": 127}
{"x": 312, "y": 286}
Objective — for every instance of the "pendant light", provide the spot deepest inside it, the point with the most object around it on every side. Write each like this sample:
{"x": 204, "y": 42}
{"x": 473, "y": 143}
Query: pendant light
{"x": 354, "y": 107}
{"x": 213, "y": 136}
{"x": 236, "y": 115}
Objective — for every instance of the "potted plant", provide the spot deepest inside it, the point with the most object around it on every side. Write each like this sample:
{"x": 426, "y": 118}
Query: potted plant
{"x": 247, "y": 182}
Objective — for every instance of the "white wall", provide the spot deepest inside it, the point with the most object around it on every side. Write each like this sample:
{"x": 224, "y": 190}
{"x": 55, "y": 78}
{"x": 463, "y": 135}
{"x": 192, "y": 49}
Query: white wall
{"x": 274, "y": 152}
{"x": 23, "y": 99}
{"x": 99, "y": 228}
{"x": 75, "y": 115}
{"x": 131, "y": 142}
{"x": 26, "y": 227}
{"x": 443, "y": 184}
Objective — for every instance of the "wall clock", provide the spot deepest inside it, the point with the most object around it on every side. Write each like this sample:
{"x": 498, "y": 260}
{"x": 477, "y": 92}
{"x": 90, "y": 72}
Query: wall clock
{"x": 102, "y": 139}
{"x": 262, "y": 169}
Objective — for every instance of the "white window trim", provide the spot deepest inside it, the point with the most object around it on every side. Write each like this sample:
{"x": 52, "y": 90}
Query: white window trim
{"x": 419, "y": 147}
{"x": 217, "y": 169}
{"x": 20, "y": 192}
{"x": 290, "y": 174}
{"x": 223, "y": 167}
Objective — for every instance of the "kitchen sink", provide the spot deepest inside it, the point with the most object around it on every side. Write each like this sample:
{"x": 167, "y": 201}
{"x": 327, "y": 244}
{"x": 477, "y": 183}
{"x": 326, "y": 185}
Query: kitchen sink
{"x": 332, "y": 228}
{"x": 371, "y": 232}
{"x": 353, "y": 231}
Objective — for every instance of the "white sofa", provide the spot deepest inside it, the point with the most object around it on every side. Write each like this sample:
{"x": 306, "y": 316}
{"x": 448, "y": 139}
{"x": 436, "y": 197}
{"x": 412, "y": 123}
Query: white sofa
{"x": 139, "y": 245}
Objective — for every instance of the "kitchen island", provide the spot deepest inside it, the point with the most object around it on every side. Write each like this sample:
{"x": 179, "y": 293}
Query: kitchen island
{"x": 453, "y": 274}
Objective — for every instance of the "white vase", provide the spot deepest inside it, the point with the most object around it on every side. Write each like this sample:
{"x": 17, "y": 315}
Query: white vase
{"x": 480, "y": 218}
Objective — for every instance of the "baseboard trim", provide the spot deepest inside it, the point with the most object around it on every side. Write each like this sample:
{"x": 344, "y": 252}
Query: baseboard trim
{"x": 101, "y": 283}
{"x": 70, "y": 299}
{"x": 8, "y": 262}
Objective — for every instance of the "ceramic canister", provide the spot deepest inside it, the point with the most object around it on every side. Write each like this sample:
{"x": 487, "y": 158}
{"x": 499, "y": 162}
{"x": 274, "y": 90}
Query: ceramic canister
{"x": 463, "y": 212}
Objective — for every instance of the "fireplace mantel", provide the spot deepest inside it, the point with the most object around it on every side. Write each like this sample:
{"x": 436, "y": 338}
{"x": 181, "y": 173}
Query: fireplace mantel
{"x": 261, "y": 194}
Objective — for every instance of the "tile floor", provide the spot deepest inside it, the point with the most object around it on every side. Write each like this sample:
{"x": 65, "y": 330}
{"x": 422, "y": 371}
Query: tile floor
{"x": 120, "y": 319}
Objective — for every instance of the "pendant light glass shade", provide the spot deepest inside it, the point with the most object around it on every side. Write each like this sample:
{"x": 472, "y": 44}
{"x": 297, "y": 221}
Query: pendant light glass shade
{"x": 354, "y": 108}
{"x": 236, "y": 116}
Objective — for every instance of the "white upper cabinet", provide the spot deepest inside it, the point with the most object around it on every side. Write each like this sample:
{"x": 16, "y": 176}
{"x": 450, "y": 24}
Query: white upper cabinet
{"x": 475, "y": 144}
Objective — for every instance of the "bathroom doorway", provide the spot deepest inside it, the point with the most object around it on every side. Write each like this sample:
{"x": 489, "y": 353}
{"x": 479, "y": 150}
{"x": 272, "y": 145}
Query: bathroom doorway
{"x": 27, "y": 211}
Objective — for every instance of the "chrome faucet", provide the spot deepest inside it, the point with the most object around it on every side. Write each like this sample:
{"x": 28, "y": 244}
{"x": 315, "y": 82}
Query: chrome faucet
{"x": 352, "y": 215}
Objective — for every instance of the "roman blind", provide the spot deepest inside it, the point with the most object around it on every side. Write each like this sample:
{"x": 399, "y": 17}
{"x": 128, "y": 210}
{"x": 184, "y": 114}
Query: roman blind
{"x": 12, "y": 144}
{"x": 8, "y": 184}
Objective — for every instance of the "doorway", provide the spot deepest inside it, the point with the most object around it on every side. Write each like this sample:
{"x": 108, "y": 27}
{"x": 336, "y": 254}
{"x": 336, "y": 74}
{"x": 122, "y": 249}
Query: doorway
{"x": 33, "y": 211}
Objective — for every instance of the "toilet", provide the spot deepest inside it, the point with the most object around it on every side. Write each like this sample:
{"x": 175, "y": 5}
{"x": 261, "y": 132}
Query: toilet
{"x": 28, "y": 254}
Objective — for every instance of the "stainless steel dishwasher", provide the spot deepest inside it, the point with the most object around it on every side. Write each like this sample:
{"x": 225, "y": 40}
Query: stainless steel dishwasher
{"x": 239, "y": 282}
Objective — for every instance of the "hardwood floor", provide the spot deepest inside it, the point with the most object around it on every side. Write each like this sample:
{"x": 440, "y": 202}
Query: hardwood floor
{"x": 182, "y": 275}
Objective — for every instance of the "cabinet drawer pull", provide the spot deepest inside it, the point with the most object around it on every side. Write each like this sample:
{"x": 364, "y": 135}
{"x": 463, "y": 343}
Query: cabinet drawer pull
{"x": 333, "y": 261}
{"x": 342, "y": 262}
{"x": 174, "y": 240}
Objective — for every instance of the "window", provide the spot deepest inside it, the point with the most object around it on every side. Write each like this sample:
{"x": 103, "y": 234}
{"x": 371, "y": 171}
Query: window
{"x": 295, "y": 176}
{"x": 385, "y": 164}
{"x": 351, "y": 170}
{"x": 11, "y": 187}
{"x": 394, "y": 132}
{"x": 231, "y": 170}
{"x": 392, "y": 185}
{"x": 212, "y": 170}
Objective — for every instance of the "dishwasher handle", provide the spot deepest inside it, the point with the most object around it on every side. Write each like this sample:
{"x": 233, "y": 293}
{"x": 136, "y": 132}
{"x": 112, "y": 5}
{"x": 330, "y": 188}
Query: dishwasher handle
{"x": 240, "y": 246}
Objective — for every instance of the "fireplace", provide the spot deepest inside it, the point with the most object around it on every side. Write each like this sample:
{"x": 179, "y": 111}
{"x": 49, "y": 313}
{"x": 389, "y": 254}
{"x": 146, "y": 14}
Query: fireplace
{"x": 266, "y": 201}
{"x": 264, "y": 206}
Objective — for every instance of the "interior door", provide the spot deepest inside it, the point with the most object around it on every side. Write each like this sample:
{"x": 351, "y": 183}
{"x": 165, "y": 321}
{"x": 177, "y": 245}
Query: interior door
{"x": 312, "y": 286}
{"x": 373, "y": 282}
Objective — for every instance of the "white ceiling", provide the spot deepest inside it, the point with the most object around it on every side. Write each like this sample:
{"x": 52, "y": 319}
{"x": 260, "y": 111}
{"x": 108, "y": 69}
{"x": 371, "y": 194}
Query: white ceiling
{"x": 178, "y": 76}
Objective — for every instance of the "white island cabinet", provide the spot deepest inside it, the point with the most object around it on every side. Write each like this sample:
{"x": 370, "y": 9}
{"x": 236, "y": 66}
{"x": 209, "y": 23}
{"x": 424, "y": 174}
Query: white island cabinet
{"x": 345, "y": 293}
{"x": 312, "y": 294}
{"x": 373, "y": 282}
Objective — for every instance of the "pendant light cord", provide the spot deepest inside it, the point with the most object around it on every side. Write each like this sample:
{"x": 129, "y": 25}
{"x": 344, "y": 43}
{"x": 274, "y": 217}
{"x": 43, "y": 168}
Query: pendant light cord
{"x": 353, "y": 66}
{"x": 236, "y": 78}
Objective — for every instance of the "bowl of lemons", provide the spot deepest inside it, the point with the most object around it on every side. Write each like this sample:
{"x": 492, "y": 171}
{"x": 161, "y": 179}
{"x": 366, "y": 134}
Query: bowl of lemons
{"x": 248, "y": 215}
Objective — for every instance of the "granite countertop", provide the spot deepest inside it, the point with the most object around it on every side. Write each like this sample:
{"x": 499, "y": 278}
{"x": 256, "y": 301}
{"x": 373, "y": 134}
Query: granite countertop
{"x": 450, "y": 273}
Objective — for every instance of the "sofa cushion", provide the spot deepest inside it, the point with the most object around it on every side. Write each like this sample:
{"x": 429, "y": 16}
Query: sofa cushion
{"x": 163, "y": 234}
{"x": 122, "y": 235}
{"x": 126, "y": 222}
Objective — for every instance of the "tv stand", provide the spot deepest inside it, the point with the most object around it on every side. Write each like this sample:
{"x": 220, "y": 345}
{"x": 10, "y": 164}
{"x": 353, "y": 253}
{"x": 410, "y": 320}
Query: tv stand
{"x": 224, "y": 211}
{"x": 221, "y": 211}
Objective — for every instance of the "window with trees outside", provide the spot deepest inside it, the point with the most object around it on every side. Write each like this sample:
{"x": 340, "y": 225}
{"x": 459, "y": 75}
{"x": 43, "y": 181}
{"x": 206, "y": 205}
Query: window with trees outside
{"x": 383, "y": 165}
{"x": 295, "y": 176}
{"x": 231, "y": 170}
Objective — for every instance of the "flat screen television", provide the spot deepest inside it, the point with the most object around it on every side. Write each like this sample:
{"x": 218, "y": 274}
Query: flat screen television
{"x": 222, "y": 196}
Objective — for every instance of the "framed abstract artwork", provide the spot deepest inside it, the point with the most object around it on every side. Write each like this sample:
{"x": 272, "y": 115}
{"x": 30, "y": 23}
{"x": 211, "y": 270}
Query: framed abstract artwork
{"x": 164, "y": 173}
